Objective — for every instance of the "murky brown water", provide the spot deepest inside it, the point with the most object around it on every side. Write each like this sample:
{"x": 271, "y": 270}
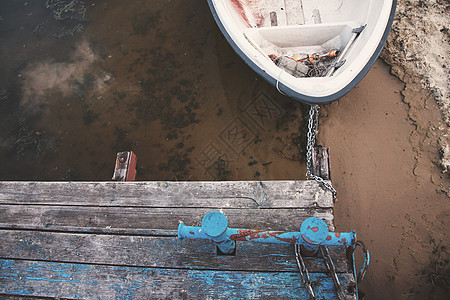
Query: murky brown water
{"x": 155, "y": 77}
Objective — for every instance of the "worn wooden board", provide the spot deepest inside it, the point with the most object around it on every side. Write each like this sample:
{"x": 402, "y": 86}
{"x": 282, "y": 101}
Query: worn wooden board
{"x": 321, "y": 162}
{"x": 21, "y": 297}
{"x": 118, "y": 240}
{"x": 85, "y": 281}
{"x": 161, "y": 252}
{"x": 139, "y": 220}
{"x": 217, "y": 194}
{"x": 125, "y": 168}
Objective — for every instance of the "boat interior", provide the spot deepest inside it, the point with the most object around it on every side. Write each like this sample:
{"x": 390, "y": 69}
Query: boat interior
{"x": 291, "y": 27}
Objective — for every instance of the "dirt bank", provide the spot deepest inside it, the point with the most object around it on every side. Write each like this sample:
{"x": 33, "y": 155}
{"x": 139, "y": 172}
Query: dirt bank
{"x": 418, "y": 51}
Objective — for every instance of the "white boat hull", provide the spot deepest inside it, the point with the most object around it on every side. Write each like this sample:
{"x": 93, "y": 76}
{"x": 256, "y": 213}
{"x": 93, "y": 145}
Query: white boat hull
{"x": 261, "y": 30}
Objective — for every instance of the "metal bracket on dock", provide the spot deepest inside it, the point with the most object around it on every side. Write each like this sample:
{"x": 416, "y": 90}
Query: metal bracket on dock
{"x": 313, "y": 233}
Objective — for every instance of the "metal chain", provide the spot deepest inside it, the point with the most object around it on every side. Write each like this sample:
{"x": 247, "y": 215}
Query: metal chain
{"x": 304, "y": 272}
{"x": 311, "y": 141}
{"x": 330, "y": 266}
{"x": 313, "y": 123}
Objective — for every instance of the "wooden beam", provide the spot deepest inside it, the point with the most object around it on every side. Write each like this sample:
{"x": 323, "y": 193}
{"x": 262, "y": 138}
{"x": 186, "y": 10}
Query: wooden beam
{"x": 161, "y": 252}
{"x": 321, "y": 162}
{"x": 216, "y": 194}
{"x": 144, "y": 220}
{"x": 125, "y": 168}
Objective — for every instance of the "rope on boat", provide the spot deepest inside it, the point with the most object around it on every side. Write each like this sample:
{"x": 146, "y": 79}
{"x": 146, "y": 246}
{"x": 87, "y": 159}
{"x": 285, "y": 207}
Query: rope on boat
{"x": 278, "y": 82}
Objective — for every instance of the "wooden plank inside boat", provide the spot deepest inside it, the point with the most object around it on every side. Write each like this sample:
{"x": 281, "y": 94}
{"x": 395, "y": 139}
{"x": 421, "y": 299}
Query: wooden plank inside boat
{"x": 118, "y": 240}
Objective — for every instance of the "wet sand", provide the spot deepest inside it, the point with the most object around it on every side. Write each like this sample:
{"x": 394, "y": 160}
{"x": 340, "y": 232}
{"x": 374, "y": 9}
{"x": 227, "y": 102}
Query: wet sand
{"x": 385, "y": 164}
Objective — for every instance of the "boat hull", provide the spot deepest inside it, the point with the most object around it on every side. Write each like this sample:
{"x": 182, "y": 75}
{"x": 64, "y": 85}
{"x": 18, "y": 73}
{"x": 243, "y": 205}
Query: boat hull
{"x": 295, "y": 91}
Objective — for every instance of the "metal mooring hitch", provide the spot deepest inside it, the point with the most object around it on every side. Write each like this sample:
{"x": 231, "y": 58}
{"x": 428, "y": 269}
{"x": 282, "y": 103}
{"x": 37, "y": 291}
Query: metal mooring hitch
{"x": 313, "y": 233}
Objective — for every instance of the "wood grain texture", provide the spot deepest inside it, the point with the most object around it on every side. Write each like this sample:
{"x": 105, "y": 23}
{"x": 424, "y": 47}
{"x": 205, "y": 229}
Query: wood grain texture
{"x": 125, "y": 168}
{"x": 137, "y": 219}
{"x": 161, "y": 252}
{"x": 220, "y": 194}
{"x": 84, "y": 281}
{"x": 321, "y": 162}
{"x": 103, "y": 240}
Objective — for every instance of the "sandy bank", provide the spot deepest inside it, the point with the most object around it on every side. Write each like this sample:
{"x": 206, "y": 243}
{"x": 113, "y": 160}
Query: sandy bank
{"x": 418, "y": 51}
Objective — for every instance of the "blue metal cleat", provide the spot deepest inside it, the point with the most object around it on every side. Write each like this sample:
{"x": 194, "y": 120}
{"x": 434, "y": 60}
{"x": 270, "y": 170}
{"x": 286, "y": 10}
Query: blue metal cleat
{"x": 313, "y": 233}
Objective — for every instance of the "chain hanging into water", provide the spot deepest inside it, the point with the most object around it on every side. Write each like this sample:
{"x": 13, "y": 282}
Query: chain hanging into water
{"x": 311, "y": 141}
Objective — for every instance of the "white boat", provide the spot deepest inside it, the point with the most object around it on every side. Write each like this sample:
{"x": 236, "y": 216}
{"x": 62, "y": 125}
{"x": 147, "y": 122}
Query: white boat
{"x": 315, "y": 51}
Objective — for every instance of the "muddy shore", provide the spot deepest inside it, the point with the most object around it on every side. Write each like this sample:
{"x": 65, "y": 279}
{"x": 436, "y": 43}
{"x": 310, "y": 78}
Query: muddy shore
{"x": 418, "y": 51}
{"x": 391, "y": 187}
{"x": 389, "y": 142}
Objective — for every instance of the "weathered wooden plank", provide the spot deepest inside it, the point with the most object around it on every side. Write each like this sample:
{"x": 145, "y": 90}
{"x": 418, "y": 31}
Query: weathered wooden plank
{"x": 125, "y": 168}
{"x": 139, "y": 220}
{"x": 321, "y": 162}
{"x": 217, "y": 194}
{"x": 161, "y": 252}
{"x": 21, "y": 297}
{"x": 47, "y": 279}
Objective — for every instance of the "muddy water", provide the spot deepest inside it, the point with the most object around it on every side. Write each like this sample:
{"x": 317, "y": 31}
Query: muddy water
{"x": 154, "y": 77}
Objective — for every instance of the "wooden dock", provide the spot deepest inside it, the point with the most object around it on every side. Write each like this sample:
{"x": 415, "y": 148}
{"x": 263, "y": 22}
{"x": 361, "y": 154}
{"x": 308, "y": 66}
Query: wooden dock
{"x": 109, "y": 240}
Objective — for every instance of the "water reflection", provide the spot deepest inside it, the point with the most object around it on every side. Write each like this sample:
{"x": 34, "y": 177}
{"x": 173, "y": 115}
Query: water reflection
{"x": 155, "y": 77}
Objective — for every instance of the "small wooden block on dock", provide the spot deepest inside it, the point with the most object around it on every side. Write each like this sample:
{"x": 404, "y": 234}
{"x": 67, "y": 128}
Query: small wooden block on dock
{"x": 118, "y": 240}
{"x": 125, "y": 168}
{"x": 321, "y": 162}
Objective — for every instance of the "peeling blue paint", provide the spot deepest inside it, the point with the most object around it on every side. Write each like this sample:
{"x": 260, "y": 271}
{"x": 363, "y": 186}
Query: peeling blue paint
{"x": 88, "y": 281}
{"x": 313, "y": 232}
{"x": 21, "y": 292}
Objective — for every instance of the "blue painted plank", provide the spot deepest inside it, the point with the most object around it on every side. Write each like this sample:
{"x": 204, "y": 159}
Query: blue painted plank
{"x": 49, "y": 279}
{"x": 162, "y": 252}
